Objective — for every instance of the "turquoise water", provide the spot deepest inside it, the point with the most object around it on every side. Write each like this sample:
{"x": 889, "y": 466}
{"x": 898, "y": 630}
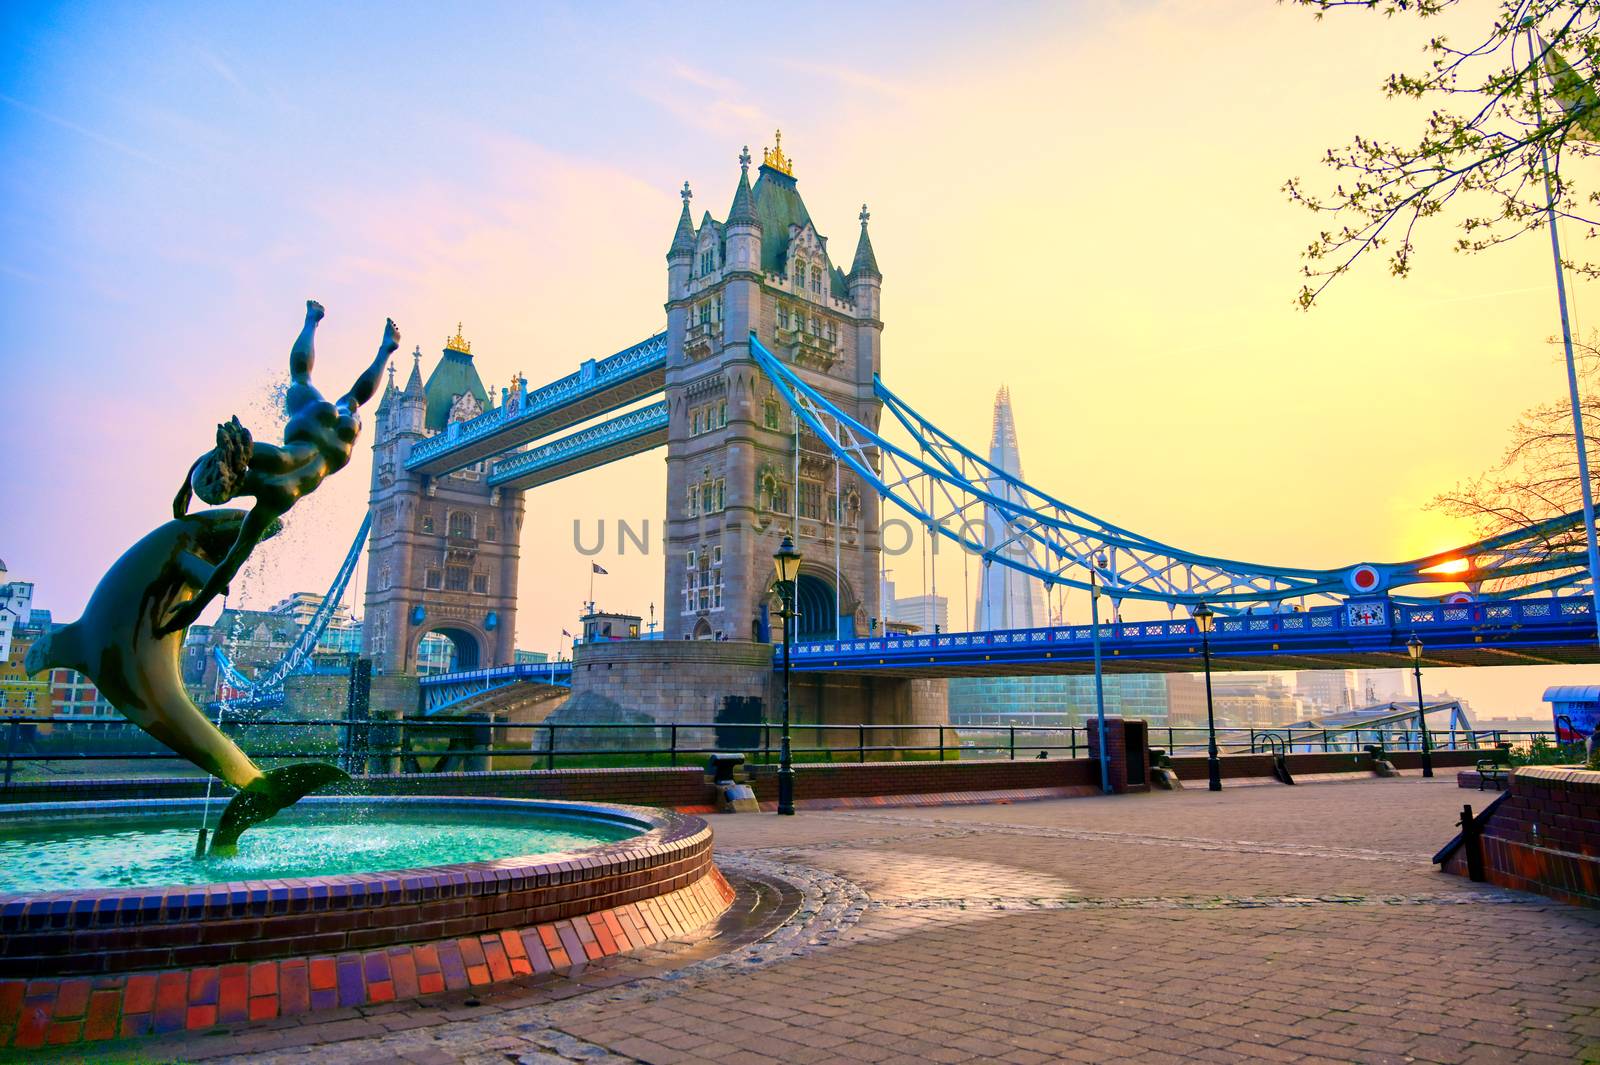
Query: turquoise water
{"x": 126, "y": 850}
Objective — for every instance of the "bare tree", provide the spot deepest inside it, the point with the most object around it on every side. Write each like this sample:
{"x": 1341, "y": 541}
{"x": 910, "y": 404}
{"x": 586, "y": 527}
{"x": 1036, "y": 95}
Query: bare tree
{"x": 1537, "y": 476}
{"x": 1499, "y": 108}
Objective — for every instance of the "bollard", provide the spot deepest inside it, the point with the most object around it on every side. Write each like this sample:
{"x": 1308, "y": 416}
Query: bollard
{"x": 1472, "y": 843}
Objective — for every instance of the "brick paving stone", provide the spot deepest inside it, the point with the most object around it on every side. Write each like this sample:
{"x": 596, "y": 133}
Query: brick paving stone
{"x": 1258, "y": 925}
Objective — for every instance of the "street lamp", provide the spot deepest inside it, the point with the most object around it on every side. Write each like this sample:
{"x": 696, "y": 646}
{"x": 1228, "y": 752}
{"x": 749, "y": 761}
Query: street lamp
{"x": 1204, "y": 619}
{"x": 1099, "y": 680}
{"x": 1414, "y": 649}
{"x": 787, "y": 564}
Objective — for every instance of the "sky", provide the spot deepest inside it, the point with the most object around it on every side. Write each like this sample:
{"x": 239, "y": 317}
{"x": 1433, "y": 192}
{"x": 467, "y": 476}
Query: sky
{"x": 1079, "y": 200}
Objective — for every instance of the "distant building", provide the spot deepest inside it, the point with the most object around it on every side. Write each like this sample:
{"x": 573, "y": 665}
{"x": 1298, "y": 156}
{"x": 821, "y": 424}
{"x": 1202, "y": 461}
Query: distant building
{"x": 16, "y": 603}
{"x": 1253, "y": 700}
{"x": 303, "y": 606}
{"x": 1325, "y": 691}
{"x": 1054, "y": 701}
{"x": 20, "y": 695}
{"x": 915, "y": 613}
{"x": 73, "y": 695}
{"x": 1186, "y": 700}
{"x": 1007, "y": 598}
{"x": 1010, "y": 599}
{"x": 1384, "y": 685}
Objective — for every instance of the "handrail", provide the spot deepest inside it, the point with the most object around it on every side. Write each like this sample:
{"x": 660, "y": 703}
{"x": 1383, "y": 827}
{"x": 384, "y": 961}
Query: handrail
{"x": 385, "y": 739}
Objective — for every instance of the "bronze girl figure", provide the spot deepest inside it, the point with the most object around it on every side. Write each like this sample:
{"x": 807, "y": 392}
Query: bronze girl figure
{"x": 317, "y": 441}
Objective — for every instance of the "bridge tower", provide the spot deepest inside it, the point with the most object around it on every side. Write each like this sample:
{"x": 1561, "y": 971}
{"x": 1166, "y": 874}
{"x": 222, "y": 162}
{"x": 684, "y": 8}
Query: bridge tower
{"x": 443, "y": 551}
{"x": 740, "y": 472}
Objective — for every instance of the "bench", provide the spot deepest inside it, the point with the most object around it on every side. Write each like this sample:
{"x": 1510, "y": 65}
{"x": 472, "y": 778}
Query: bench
{"x": 1495, "y": 768}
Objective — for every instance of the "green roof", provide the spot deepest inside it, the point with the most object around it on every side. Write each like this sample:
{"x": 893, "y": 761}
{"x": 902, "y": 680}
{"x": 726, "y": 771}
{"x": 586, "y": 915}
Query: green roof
{"x": 778, "y": 206}
{"x": 454, "y": 375}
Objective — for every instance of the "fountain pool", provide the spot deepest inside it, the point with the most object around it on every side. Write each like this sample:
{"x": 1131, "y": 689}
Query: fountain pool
{"x": 113, "y": 887}
{"x": 145, "y": 846}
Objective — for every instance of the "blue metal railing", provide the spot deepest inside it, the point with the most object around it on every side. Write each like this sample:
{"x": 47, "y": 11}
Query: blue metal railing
{"x": 1258, "y": 634}
{"x": 644, "y": 357}
{"x": 630, "y": 426}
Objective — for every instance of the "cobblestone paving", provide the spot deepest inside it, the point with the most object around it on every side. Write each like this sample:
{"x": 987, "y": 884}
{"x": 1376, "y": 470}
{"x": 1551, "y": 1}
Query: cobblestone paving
{"x": 1260, "y": 925}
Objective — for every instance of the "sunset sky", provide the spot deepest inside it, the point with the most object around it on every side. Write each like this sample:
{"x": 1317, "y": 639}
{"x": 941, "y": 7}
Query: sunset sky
{"x": 1079, "y": 200}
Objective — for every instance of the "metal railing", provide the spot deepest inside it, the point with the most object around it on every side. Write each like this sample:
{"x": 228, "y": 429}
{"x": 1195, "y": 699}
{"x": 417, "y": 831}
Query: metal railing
{"x": 380, "y": 746}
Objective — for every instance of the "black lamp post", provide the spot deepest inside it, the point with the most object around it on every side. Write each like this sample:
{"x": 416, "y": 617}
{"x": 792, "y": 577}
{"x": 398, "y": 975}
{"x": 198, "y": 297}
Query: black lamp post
{"x": 1414, "y": 649}
{"x": 787, "y": 564}
{"x": 1204, "y": 619}
{"x": 1099, "y": 677}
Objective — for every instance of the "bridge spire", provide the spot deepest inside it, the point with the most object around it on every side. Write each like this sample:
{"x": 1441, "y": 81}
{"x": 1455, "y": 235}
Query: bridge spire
{"x": 414, "y": 382}
{"x": 866, "y": 263}
{"x": 743, "y": 211}
{"x": 683, "y": 238}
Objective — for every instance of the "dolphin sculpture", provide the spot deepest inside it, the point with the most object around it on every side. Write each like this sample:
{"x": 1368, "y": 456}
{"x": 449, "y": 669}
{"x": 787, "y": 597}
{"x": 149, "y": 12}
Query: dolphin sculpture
{"x": 119, "y": 644}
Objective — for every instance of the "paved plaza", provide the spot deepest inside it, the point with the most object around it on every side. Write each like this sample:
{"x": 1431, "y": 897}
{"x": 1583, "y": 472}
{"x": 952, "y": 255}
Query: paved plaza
{"x": 1267, "y": 924}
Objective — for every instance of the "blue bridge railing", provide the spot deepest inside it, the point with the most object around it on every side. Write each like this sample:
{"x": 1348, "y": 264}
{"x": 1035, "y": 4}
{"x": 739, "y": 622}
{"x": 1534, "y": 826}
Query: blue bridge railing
{"x": 1357, "y": 626}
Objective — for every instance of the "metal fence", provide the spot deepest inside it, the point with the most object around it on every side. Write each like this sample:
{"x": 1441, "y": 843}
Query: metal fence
{"x": 78, "y": 747}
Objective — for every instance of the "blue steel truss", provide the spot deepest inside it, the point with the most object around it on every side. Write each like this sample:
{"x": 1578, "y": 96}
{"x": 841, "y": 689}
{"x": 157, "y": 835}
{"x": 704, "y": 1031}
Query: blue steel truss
{"x": 599, "y": 382}
{"x": 953, "y": 492}
{"x": 638, "y": 430}
{"x": 267, "y": 685}
{"x": 445, "y": 692}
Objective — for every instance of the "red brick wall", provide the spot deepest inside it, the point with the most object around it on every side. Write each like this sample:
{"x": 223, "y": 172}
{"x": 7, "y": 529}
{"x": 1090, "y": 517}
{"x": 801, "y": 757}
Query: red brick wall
{"x": 112, "y": 930}
{"x": 1545, "y": 836}
{"x": 849, "y": 780}
{"x": 1193, "y": 766}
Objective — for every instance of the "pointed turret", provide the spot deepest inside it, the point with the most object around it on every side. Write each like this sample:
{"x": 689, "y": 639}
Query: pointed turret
{"x": 866, "y": 263}
{"x": 680, "y": 257}
{"x": 390, "y": 391}
{"x": 410, "y": 403}
{"x": 743, "y": 211}
{"x": 742, "y": 233}
{"x": 866, "y": 283}
{"x": 683, "y": 238}
{"x": 414, "y": 382}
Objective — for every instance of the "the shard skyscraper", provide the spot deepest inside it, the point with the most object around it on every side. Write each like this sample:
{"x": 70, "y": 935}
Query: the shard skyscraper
{"x": 1007, "y": 599}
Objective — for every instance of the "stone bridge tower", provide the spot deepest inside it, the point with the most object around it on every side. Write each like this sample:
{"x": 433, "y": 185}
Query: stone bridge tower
{"x": 739, "y": 472}
{"x": 442, "y": 552}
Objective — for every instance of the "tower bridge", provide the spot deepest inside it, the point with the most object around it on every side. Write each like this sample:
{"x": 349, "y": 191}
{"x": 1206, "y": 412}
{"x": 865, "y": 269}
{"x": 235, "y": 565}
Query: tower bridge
{"x": 766, "y": 389}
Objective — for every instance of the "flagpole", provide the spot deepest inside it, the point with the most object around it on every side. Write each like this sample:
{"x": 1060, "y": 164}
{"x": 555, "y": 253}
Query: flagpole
{"x": 1566, "y": 340}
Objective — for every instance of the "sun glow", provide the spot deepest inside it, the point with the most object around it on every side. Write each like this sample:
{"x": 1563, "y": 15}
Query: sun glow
{"x": 1454, "y": 565}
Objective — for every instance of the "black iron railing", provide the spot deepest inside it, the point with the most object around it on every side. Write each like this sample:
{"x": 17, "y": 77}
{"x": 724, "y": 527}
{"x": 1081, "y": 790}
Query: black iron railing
{"x": 386, "y": 745}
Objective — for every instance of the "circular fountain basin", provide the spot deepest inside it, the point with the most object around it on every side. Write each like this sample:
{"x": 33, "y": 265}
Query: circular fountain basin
{"x": 145, "y": 846}
{"x": 334, "y": 875}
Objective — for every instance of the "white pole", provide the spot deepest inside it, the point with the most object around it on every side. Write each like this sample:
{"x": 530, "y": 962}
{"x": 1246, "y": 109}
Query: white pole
{"x": 1566, "y": 340}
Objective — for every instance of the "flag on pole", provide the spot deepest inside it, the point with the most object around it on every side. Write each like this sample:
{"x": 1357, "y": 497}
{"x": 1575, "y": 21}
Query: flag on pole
{"x": 1574, "y": 93}
{"x": 598, "y": 568}
{"x": 564, "y": 632}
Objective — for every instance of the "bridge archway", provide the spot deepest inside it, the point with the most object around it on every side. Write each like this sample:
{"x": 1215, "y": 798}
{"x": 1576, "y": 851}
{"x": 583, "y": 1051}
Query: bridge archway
{"x": 467, "y": 648}
{"x": 818, "y": 608}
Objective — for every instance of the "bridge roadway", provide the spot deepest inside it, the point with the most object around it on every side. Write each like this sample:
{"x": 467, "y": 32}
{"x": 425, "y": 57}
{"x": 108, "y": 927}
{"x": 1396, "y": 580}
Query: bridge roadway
{"x": 1520, "y": 632}
{"x": 1524, "y": 632}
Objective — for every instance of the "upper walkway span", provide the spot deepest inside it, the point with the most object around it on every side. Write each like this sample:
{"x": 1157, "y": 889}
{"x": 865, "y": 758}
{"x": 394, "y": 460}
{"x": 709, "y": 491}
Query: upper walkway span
{"x": 595, "y": 388}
